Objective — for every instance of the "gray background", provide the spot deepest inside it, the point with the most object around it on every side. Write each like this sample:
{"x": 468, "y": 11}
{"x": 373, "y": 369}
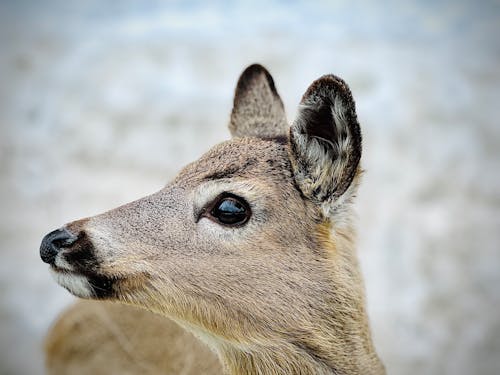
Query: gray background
{"x": 102, "y": 102}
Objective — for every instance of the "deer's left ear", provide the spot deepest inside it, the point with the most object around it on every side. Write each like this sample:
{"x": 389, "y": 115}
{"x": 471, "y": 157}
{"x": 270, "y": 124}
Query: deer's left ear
{"x": 325, "y": 142}
{"x": 257, "y": 109}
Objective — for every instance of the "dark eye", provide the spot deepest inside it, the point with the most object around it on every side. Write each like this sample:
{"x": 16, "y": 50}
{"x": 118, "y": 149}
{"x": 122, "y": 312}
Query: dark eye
{"x": 230, "y": 210}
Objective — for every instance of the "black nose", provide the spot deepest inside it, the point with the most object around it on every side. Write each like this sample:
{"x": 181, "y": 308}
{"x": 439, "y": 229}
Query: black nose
{"x": 53, "y": 242}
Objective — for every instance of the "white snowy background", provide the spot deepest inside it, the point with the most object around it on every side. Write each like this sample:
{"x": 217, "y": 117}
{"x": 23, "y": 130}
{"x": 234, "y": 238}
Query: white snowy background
{"x": 102, "y": 102}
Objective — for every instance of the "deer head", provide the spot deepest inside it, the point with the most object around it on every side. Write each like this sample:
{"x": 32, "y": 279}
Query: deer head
{"x": 251, "y": 246}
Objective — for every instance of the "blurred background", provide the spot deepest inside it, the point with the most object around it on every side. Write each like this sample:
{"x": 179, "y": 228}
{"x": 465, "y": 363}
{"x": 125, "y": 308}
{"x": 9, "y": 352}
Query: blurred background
{"x": 102, "y": 102}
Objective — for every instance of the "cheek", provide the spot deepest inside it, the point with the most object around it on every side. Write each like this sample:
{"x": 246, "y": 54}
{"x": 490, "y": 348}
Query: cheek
{"x": 219, "y": 238}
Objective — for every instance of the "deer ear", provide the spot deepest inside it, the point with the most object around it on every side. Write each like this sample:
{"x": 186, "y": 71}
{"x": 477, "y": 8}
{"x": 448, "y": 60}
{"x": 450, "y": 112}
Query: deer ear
{"x": 325, "y": 142}
{"x": 257, "y": 109}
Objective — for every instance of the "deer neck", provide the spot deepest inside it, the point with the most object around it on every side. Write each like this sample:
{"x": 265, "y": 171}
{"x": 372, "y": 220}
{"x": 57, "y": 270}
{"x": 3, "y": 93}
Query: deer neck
{"x": 336, "y": 340}
{"x": 292, "y": 359}
{"x": 283, "y": 359}
{"x": 338, "y": 343}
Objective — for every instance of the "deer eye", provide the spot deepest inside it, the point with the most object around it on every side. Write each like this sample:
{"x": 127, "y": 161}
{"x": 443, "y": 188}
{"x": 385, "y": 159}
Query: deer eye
{"x": 230, "y": 211}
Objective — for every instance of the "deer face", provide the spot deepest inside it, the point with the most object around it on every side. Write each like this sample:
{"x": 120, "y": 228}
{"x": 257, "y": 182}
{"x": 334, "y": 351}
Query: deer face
{"x": 240, "y": 235}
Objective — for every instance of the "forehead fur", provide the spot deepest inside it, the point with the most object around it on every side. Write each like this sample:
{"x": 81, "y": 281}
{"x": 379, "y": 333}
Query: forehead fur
{"x": 241, "y": 157}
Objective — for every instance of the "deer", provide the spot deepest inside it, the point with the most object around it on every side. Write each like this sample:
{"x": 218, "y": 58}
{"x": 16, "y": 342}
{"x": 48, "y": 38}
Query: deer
{"x": 245, "y": 263}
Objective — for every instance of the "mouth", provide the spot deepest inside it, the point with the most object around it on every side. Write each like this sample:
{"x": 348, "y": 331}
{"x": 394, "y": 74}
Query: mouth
{"x": 73, "y": 282}
{"x": 83, "y": 284}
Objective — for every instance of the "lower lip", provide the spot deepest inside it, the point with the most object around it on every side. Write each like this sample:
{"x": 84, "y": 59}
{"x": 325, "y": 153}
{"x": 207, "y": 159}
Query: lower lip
{"x": 59, "y": 269}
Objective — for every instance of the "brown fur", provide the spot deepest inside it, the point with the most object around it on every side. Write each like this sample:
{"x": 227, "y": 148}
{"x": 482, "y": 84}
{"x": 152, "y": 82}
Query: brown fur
{"x": 281, "y": 294}
{"x": 103, "y": 338}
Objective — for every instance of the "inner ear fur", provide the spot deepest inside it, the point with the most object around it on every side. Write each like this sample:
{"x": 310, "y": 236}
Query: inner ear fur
{"x": 257, "y": 108}
{"x": 325, "y": 141}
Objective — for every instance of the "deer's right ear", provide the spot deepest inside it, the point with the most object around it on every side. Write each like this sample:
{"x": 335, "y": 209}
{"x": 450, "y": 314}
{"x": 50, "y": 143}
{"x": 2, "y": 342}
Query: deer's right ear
{"x": 325, "y": 142}
{"x": 257, "y": 109}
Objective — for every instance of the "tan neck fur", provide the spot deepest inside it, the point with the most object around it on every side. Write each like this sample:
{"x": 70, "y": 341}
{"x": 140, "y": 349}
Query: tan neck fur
{"x": 290, "y": 359}
{"x": 340, "y": 343}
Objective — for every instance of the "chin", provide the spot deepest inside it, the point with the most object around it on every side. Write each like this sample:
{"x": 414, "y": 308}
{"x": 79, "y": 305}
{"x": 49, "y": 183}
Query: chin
{"x": 76, "y": 284}
{"x": 85, "y": 284}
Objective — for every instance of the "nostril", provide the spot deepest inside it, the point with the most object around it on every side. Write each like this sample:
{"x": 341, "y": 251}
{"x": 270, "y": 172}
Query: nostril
{"x": 53, "y": 242}
{"x": 64, "y": 241}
